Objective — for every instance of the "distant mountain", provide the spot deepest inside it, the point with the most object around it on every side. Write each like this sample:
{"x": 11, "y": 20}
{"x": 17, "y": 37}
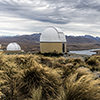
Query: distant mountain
{"x": 79, "y": 39}
{"x": 82, "y": 42}
{"x": 27, "y": 42}
{"x": 32, "y": 42}
{"x": 91, "y": 37}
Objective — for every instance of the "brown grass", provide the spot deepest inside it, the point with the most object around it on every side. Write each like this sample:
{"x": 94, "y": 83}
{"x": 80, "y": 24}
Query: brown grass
{"x": 36, "y": 77}
{"x": 83, "y": 88}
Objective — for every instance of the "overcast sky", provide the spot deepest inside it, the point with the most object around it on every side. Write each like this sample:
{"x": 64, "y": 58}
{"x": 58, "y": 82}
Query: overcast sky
{"x": 74, "y": 17}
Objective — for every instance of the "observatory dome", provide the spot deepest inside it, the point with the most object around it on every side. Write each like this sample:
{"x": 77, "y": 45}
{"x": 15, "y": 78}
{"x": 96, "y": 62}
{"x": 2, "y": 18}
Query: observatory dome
{"x": 52, "y": 34}
{"x": 13, "y": 47}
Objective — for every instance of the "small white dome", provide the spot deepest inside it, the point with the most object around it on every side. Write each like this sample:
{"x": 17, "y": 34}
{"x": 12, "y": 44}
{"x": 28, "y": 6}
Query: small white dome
{"x": 13, "y": 47}
{"x": 52, "y": 34}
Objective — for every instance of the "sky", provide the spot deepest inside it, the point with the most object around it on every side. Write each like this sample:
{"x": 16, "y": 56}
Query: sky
{"x": 73, "y": 17}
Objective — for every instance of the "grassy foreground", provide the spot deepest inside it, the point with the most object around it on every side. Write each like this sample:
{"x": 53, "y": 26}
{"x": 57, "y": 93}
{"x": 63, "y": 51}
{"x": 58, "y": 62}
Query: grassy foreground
{"x": 36, "y": 77}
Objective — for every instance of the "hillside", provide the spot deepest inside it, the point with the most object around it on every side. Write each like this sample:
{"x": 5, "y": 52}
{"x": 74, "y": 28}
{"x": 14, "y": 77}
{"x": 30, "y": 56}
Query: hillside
{"x": 27, "y": 42}
{"x": 71, "y": 39}
{"x": 77, "y": 43}
{"x": 31, "y": 42}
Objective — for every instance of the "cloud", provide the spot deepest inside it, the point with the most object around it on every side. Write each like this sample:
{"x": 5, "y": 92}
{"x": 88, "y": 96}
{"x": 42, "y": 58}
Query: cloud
{"x": 27, "y": 16}
{"x": 34, "y": 10}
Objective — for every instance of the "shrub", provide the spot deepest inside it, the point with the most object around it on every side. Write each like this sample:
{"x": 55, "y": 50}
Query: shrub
{"x": 68, "y": 69}
{"x": 78, "y": 60}
{"x": 61, "y": 60}
{"x": 48, "y": 61}
{"x": 86, "y": 58}
{"x": 93, "y": 61}
{"x": 97, "y": 57}
{"x": 53, "y": 54}
{"x": 74, "y": 61}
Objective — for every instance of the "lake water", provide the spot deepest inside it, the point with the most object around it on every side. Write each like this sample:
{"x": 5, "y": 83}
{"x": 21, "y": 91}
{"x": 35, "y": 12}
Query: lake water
{"x": 85, "y": 52}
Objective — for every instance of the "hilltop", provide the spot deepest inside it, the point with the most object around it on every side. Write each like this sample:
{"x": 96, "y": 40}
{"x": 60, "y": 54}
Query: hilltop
{"x": 32, "y": 42}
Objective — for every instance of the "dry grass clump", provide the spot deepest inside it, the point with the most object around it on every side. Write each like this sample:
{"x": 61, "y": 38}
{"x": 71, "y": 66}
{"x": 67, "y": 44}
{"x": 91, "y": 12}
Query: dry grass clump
{"x": 48, "y": 61}
{"x": 36, "y": 77}
{"x": 8, "y": 82}
{"x": 36, "y": 94}
{"x": 97, "y": 57}
{"x": 61, "y": 60}
{"x": 2, "y": 60}
{"x": 2, "y": 96}
{"x": 67, "y": 69}
{"x": 95, "y": 63}
{"x": 78, "y": 60}
{"x": 82, "y": 71}
{"x": 83, "y": 88}
{"x": 23, "y": 61}
{"x": 69, "y": 65}
{"x": 73, "y": 60}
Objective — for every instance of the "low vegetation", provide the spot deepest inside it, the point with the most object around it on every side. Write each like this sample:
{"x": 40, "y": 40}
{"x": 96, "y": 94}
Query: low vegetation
{"x": 39, "y": 77}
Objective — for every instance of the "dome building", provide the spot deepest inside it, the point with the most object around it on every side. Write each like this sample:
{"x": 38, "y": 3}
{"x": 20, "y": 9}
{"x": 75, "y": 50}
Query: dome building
{"x": 52, "y": 39}
{"x": 13, "y": 47}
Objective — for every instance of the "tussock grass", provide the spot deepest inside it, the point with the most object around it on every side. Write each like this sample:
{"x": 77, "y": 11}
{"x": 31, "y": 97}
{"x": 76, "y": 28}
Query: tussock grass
{"x": 61, "y": 60}
{"x": 83, "y": 88}
{"x": 36, "y": 77}
{"x": 48, "y": 61}
{"x": 94, "y": 62}
{"x": 46, "y": 78}
{"x": 36, "y": 94}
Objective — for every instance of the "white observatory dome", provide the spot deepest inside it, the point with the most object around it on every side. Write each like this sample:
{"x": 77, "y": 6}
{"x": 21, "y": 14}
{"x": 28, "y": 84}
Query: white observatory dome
{"x": 52, "y": 34}
{"x": 13, "y": 47}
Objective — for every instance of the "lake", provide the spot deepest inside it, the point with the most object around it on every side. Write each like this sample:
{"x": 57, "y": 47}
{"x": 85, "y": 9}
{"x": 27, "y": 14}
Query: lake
{"x": 85, "y": 52}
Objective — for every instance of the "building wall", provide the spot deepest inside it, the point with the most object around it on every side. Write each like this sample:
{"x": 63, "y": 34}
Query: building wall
{"x": 51, "y": 47}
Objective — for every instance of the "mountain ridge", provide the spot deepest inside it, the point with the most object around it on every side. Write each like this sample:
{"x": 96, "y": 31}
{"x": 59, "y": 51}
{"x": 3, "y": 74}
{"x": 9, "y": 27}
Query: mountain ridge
{"x": 32, "y": 42}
